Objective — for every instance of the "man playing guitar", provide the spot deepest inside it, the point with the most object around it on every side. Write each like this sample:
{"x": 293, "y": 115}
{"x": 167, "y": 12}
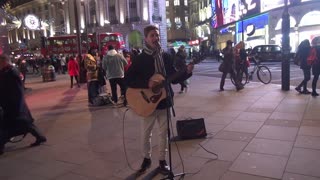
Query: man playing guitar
{"x": 153, "y": 61}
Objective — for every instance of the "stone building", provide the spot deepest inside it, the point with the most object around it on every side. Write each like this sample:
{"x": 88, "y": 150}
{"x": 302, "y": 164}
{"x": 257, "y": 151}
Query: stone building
{"x": 57, "y": 17}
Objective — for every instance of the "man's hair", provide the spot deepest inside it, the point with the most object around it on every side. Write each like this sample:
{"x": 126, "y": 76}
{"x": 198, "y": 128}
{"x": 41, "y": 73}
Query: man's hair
{"x": 110, "y": 47}
{"x": 4, "y": 57}
{"x": 148, "y": 29}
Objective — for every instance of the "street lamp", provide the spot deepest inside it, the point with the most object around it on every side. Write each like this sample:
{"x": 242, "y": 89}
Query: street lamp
{"x": 85, "y": 24}
{"x": 77, "y": 27}
{"x": 285, "y": 66}
{"x": 243, "y": 12}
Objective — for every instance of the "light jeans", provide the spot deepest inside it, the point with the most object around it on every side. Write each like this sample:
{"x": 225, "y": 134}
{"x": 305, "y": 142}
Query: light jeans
{"x": 148, "y": 123}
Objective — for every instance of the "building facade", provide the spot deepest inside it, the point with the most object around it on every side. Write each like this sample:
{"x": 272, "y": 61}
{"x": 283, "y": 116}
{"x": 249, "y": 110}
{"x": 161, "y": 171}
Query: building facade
{"x": 58, "y": 17}
{"x": 177, "y": 13}
{"x": 200, "y": 19}
{"x": 259, "y": 22}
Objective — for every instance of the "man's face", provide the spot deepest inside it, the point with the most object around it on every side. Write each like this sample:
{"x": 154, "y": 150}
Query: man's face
{"x": 152, "y": 39}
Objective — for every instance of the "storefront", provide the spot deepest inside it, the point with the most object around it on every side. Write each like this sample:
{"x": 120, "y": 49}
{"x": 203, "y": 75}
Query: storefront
{"x": 308, "y": 27}
{"x": 304, "y": 24}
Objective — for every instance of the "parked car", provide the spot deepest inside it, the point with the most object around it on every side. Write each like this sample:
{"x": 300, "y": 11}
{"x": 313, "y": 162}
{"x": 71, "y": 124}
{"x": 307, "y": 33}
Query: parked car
{"x": 265, "y": 53}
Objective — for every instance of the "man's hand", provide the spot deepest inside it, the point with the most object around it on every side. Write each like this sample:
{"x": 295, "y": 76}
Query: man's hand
{"x": 190, "y": 68}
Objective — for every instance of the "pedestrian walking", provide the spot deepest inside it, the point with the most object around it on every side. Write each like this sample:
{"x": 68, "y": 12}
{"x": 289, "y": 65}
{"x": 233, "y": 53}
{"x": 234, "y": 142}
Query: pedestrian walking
{"x": 303, "y": 53}
{"x": 228, "y": 66}
{"x": 180, "y": 64}
{"x": 73, "y": 69}
{"x": 16, "y": 118}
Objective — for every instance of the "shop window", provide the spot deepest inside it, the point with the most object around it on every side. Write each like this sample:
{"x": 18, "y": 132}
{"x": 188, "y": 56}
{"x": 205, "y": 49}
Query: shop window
{"x": 177, "y": 21}
{"x": 176, "y": 2}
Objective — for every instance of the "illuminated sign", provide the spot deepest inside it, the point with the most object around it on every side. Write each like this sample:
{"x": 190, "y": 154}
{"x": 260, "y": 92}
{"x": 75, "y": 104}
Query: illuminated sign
{"x": 228, "y": 11}
{"x": 253, "y": 7}
{"x": 32, "y": 22}
{"x": 267, "y": 5}
{"x": 194, "y": 42}
{"x": 252, "y": 24}
{"x": 250, "y": 29}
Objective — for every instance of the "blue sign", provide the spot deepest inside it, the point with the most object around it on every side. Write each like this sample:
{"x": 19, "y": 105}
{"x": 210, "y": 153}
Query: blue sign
{"x": 258, "y": 22}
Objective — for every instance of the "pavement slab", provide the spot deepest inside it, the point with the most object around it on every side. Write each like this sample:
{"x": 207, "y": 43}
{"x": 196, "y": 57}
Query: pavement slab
{"x": 258, "y": 133}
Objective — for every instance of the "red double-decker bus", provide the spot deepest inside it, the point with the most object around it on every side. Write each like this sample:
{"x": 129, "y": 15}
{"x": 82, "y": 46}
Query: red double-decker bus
{"x": 68, "y": 44}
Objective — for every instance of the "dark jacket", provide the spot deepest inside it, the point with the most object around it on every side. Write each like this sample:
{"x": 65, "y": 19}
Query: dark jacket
{"x": 228, "y": 59}
{"x": 143, "y": 68}
{"x": 180, "y": 61}
{"x": 303, "y": 53}
{"x": 16, "y": 111}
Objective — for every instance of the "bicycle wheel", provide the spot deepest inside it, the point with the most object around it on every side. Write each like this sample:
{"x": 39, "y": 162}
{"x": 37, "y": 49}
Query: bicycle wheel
{"x": 243, "y": 78}
{"x": 264, "y": 74}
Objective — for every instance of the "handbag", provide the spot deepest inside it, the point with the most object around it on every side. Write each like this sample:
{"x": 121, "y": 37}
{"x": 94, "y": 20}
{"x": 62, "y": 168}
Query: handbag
{"x": 222, "y": 67}
{"x": 191, "y": 128}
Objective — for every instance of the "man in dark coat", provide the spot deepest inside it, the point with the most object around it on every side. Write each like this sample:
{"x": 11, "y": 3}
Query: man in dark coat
{"x": 16, "y": 118}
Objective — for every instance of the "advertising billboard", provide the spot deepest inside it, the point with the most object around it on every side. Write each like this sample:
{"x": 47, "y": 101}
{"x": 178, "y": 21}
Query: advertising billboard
{"x": 267, "y": 5}
{"x": 228, "y": 11}
{"x": 253, "y": 7}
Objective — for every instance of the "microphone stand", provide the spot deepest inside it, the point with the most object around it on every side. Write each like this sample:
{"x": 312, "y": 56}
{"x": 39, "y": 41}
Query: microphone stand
{"x": 169, "y": 98}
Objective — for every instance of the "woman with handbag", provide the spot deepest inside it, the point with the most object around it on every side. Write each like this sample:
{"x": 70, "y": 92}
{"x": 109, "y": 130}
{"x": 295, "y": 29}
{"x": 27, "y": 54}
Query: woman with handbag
{"x": 227, "y": 66}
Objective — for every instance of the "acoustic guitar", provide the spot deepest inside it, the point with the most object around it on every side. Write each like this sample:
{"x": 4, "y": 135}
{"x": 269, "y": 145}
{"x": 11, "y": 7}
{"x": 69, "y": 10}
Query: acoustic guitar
{"x": 145, "y": 101}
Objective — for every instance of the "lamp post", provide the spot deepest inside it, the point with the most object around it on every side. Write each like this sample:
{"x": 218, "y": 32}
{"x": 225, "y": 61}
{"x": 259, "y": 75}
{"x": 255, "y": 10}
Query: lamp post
{"x": 285, "y": 66}
{"x": 77, "y": 27}
{"x": 85, "y": 24}
{"x": 243, "y": 12}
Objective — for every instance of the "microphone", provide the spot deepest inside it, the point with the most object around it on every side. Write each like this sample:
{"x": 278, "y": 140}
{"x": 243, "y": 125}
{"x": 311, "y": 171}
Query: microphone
{"x": 158, "y": 48}
{"x": 158, "y": 45}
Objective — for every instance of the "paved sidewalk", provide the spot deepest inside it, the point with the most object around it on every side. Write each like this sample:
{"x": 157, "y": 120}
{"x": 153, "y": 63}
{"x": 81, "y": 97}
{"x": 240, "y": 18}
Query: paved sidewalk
{"x": 259, "y": 133}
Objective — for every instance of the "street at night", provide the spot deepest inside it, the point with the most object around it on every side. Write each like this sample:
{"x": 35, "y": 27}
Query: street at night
{"x": 209, "y": 67}
{"x": 85, "y": 87}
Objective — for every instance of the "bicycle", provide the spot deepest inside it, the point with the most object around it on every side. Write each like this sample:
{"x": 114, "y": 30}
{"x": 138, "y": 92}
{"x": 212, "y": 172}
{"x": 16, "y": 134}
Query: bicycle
{"x": 263, "y": 73}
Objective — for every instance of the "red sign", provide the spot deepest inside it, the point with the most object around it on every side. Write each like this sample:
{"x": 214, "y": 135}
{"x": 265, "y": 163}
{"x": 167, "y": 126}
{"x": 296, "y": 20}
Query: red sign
{"x": 194, "y": 42}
